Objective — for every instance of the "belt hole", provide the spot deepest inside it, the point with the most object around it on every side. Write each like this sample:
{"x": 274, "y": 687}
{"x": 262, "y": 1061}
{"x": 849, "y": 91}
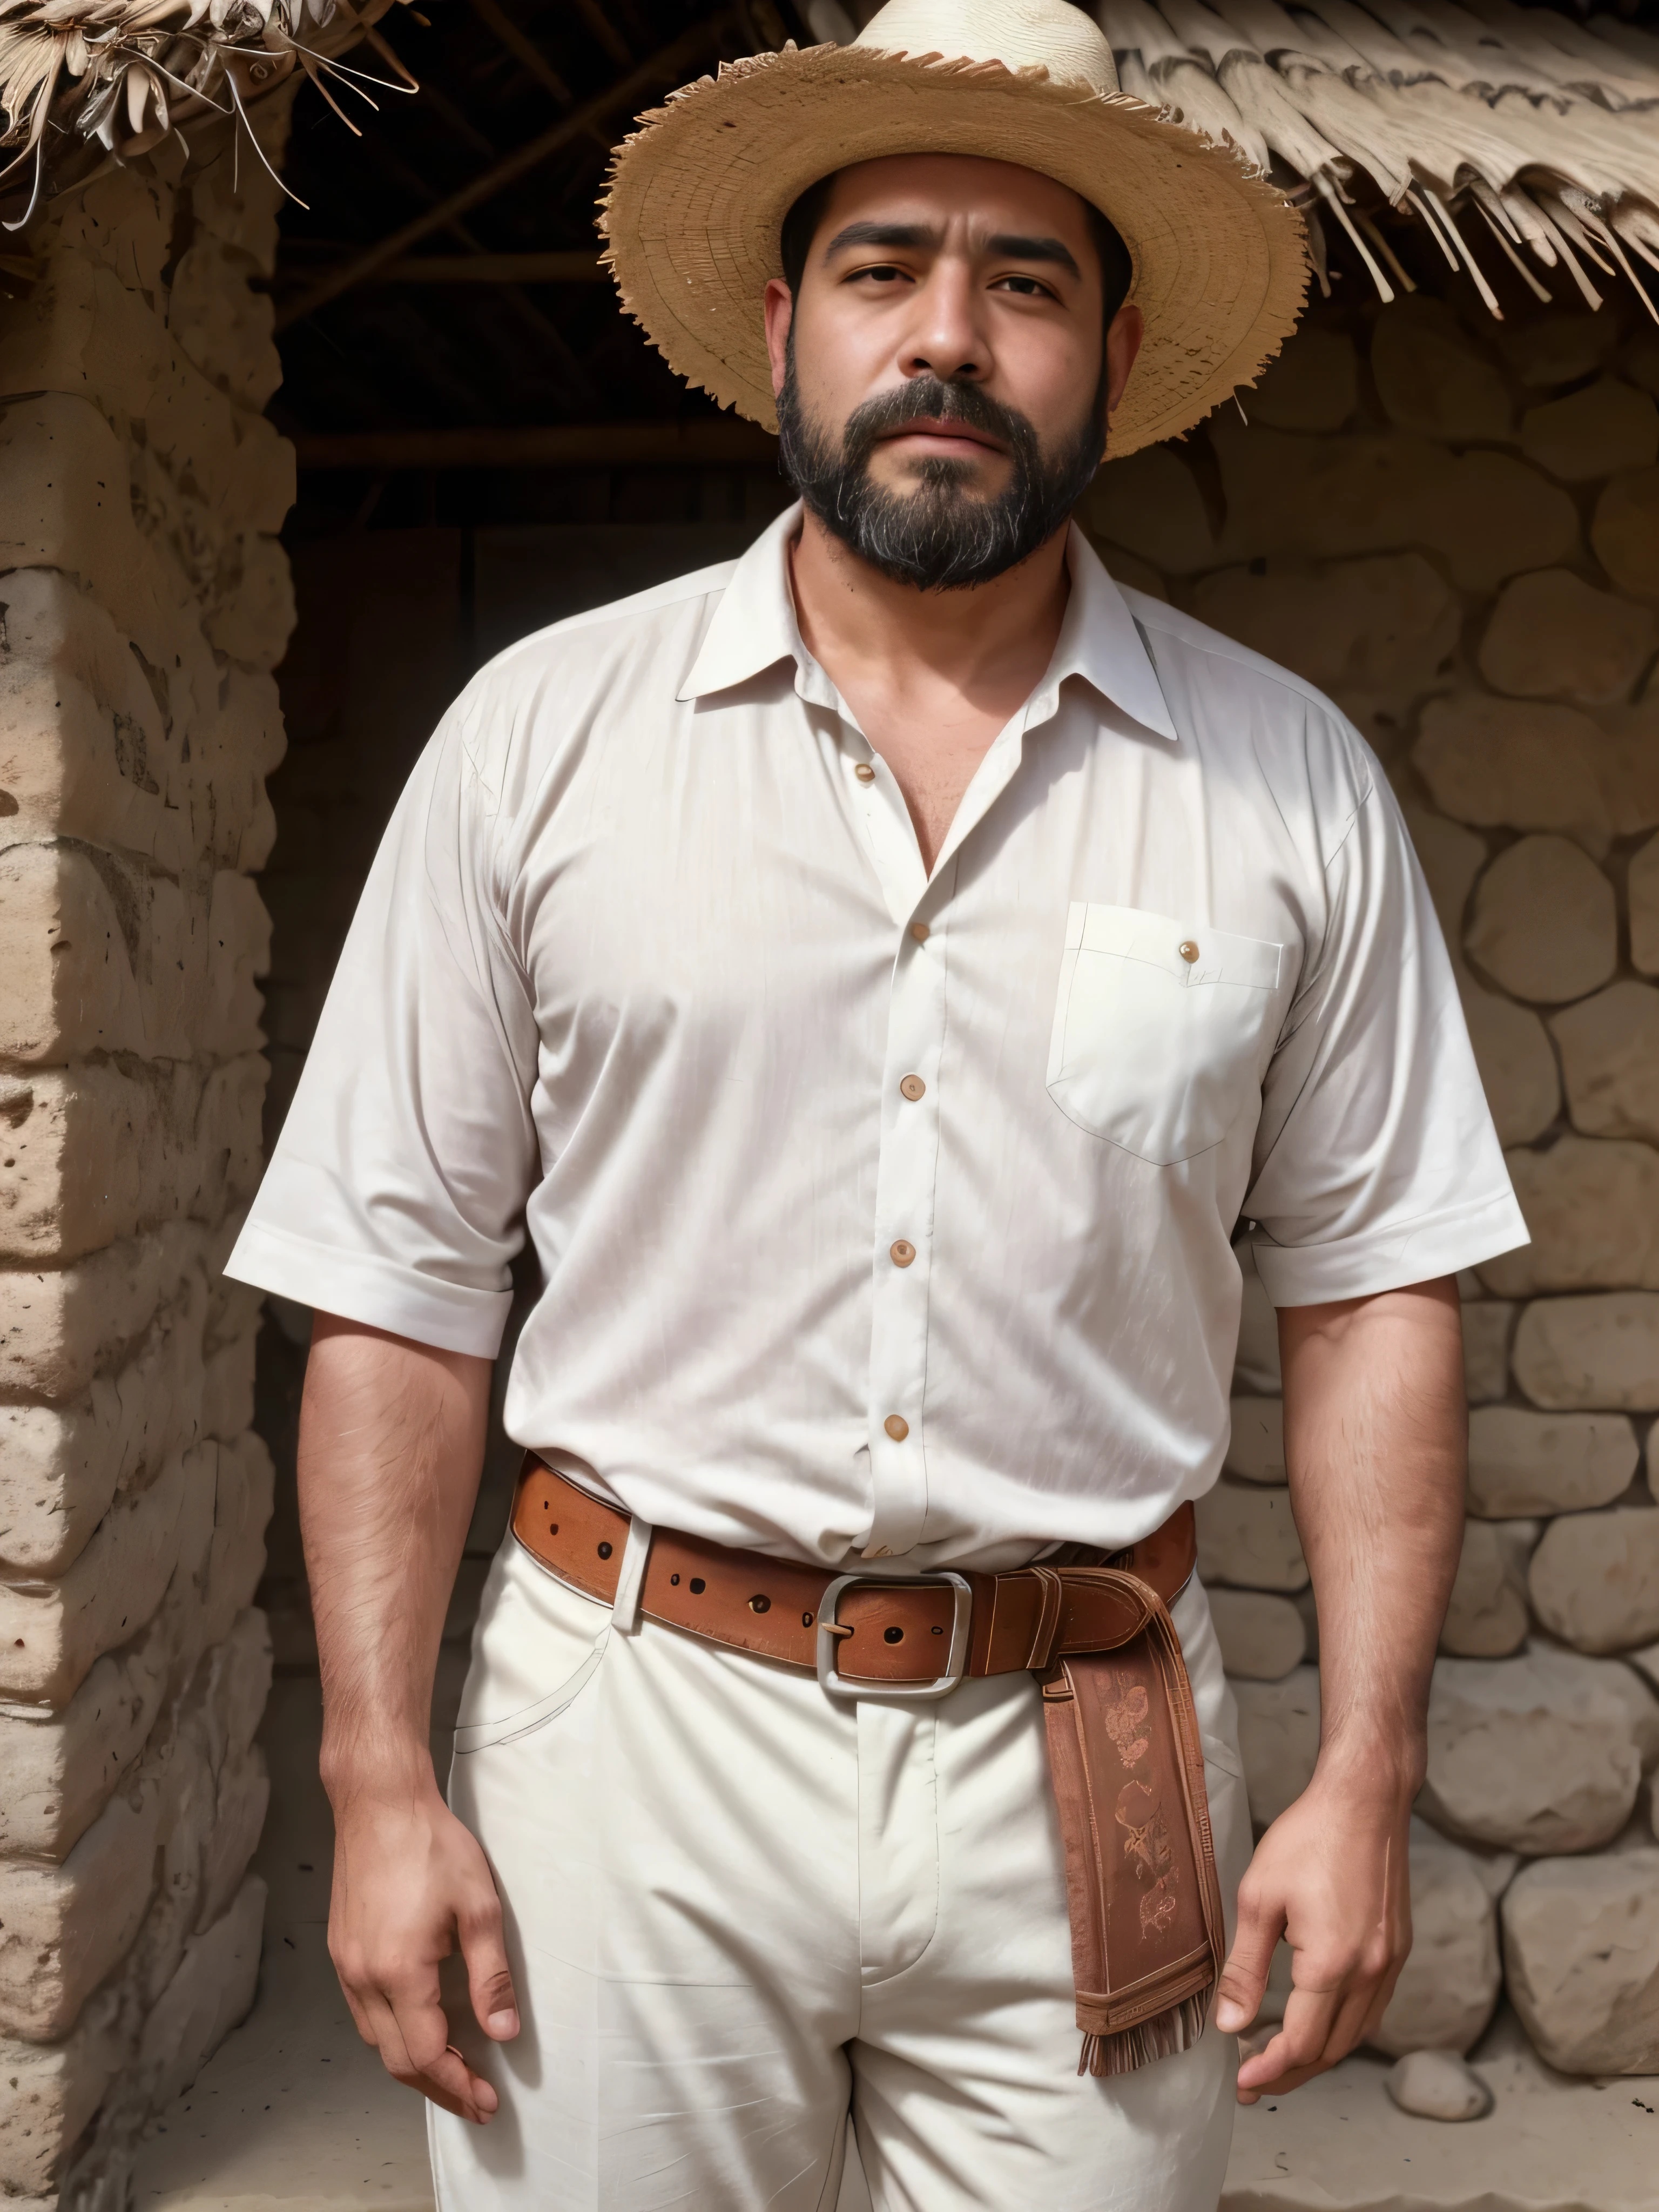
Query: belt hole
{"x": 675, "y": 1580}
{"x": 806, "y": 1621}
{"x": 605, "y": 1551}
{"x": 760, "y": 1605}
{"x": 698, "y": 1586}
{"x": 939, "y": 1632}
{"x": 893, "y": 1635}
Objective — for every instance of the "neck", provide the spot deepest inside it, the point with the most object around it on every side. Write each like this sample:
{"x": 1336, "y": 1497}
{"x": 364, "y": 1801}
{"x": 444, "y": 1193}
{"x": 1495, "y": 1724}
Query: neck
{"x": 989, "y": 643}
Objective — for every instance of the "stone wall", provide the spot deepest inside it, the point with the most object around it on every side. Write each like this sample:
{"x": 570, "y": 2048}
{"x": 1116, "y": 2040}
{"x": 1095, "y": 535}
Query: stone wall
{"x": 1453, "y": 528}
{"x": 143, "y": 603}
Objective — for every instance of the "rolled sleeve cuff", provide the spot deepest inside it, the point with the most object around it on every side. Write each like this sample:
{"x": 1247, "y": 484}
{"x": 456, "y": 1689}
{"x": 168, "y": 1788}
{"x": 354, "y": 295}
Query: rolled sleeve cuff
{"x": 362, "y": 1287}
{"x": 1418, "y": 1251}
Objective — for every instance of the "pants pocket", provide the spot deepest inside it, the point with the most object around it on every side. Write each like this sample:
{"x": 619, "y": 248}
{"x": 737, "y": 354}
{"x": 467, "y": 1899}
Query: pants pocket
{"x": 536, "y": 1646}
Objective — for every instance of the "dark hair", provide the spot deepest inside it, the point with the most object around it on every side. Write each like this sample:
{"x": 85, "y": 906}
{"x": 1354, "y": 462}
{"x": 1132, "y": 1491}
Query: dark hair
{"x": 800, "y": 227}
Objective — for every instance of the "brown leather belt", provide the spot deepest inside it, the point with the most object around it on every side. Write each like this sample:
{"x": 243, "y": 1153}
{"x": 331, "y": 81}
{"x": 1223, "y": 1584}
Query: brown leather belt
{"x": 918, "y": 1638}
{"x": 1124, "y": 1754}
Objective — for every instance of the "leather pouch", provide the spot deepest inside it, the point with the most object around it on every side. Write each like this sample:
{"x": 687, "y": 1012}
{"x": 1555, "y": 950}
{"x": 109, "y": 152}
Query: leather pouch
{"x": 1128, "y": 1766}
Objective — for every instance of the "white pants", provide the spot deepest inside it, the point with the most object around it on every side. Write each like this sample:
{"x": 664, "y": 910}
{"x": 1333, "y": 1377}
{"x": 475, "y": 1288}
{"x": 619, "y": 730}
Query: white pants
{"x": 737, "y": 1909}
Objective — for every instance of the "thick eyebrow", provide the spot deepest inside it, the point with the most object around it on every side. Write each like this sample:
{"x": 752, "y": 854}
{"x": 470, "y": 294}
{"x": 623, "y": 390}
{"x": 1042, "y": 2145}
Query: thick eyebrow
{"x": 882, "y": 234}
{"x": 1006, "y": 245}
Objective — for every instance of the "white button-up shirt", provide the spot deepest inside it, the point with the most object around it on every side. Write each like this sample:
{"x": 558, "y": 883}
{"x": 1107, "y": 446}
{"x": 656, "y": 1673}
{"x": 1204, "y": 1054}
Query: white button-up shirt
{"x": 880, "y": 1213}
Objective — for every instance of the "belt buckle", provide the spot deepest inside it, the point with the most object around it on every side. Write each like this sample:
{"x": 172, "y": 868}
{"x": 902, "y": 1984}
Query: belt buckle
{"x": 956, "y": 1660}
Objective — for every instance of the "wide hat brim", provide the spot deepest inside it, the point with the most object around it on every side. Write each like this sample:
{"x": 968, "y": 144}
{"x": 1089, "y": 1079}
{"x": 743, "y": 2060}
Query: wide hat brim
{"x": 697, "y": 198}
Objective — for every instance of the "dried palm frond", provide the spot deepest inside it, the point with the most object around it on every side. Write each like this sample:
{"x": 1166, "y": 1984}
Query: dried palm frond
{"x": 1532, "y": 134}
{"x": 124, "y": 73}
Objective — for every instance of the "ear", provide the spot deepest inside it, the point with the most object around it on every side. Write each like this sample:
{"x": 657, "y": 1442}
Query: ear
{"x": 1122, "y": 344}
{"x": 779, "y": 315}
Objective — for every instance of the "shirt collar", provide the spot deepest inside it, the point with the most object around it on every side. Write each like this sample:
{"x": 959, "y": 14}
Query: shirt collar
{"x": 754, "y": 627}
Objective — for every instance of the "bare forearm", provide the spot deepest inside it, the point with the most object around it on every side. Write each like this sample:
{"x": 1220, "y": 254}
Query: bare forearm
{"x": 391, "y": 1439}
{"x": 1375, "y": 1441}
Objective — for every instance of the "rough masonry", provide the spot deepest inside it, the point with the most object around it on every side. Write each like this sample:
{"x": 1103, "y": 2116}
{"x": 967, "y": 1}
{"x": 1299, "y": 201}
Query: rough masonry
{"x": 1452, "y": 526}
{"x": 143, "y": 603}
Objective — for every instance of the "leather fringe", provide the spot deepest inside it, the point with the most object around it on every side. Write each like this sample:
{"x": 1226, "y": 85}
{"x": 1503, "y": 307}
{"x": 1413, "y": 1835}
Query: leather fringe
{"x": 1163, "y": 2037}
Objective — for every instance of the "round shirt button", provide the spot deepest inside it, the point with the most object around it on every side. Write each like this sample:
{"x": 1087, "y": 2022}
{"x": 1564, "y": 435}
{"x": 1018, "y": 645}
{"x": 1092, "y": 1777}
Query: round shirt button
{"x": 1187, "y": 951}
{"x": 902, "y": 1253}
{"x": 912, "y": 1086}
{"x": 896, "y": 1427}
{"x": 865, "y": 773}
{"x": 920, "y": 930}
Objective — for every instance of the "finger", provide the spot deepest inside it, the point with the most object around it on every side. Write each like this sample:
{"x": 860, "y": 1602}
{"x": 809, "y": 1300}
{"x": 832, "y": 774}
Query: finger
{"x": 1309, "y": 2016}
{"x": 412, "y": 2031}
{"x": 1346, "y": 2031}
{"x": 489, "y": 1979}
{"x": 1244, "y": 1978}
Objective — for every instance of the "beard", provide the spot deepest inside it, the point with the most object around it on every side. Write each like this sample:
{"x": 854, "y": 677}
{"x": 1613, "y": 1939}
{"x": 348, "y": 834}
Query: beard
{"x": 942, "y": 535}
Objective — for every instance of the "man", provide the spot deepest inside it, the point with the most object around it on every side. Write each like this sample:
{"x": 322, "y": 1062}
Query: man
{"x": 881, "y": 976}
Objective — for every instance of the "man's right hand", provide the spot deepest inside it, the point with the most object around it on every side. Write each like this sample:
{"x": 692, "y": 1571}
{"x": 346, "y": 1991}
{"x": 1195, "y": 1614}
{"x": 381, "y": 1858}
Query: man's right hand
{"x": 410, "y": 1884}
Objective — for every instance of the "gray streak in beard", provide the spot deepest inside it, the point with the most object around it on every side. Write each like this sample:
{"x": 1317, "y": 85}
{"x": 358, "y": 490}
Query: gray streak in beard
{"x": 940, "y": 536}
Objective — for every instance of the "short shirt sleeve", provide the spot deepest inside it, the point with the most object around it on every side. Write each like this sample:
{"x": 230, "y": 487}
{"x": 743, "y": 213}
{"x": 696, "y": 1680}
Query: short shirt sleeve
{"x": 396, "y": 1194}
{"x": 1376, "y": 1164}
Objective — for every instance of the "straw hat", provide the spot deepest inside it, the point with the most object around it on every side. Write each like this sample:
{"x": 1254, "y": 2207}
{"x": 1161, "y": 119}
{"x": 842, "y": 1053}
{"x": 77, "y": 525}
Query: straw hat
{"x": 697, "y": 196}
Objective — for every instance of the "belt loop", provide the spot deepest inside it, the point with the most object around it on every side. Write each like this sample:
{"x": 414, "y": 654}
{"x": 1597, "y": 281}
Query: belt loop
{"x": 1047, "y": 1621}
{"x": 631, "y": 1582}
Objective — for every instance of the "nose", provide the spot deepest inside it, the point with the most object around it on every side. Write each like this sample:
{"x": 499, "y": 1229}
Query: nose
{"x": 945, "y": 339}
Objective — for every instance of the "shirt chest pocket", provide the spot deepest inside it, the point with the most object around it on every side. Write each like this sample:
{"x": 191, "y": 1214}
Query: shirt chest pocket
{"x": 1158, "y": 1029}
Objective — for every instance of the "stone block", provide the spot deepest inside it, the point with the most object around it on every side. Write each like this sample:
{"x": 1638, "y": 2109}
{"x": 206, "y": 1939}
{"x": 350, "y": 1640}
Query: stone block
{"x": 211, "y": 1991}
{"x": 1486, "y": 1617}
{"x": 1545, "y": 923}
{"x": 48, "y": 2093}
{"x": 65, "y": 1927}
{"x": 1595, "y": 1578}
{"x": 254, "y": 624}
{"x": 89, "y": 749}
{"x": 1607, "y": 427}
{"x": 1449, "y": 1986}
{"x": 61, "y": 1465}
{"x": 1487, "y": 1323}
{"x": 1590, "y": 1351}
{"x": 1610, "y": 1061}
{"x": 1592, "y": 1207}
{"x": 1247, "y": 1536}
{"x": 1535, "y": 1754}
{"x": 1522, "y": 1463}
{"x": 1432, "y": 379}
{"x": 1642, "y": 888}
{"x": 1487, "y": 515}
{"x": 1256, "y": 1450}
{"x": 1262, "y": 1636}
{"x": 50, "y": 1632}
{"x": 1278, "y": 1740}
{"x": 96, "y": 1152}
{"x": 1313, "y": 386}
{"x": 1523, "y": 764}
{"x": 61, "y": 1328}
{"x": 221, "y": 327}
{"x": 1151, "y": 505}
{"x": 62, "y": 1768}
{"x": 69, "y": 506}
{"x": 233, "y": 820}
{"x": 1581, "y": 1947}
{"x": 1560, "y": 349}
{"x": 1553, "y": 636}
{"x": 1383, "y": 627}
{"x": 1625, "y": 531}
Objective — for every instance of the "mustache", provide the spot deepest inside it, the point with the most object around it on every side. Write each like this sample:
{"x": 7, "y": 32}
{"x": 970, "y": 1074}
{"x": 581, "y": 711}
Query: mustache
{"x": 931, "y": 396}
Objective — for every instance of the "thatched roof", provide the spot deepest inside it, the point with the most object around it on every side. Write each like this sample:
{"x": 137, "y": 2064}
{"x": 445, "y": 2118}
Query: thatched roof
{"x": 120, "y": 74}
{"x": 1519, "y": 131}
